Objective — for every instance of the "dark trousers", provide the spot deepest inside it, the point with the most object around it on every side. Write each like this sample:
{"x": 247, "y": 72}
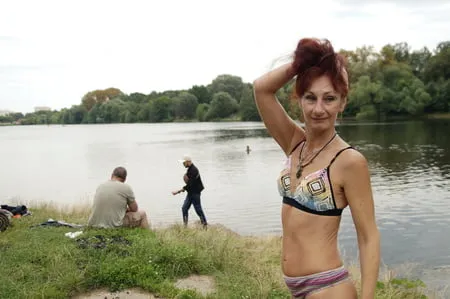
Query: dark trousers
{"x": 193, "y": 199}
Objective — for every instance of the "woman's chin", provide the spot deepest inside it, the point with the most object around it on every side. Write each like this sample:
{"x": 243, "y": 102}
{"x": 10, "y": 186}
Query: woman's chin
{"x": 319, "y": 126}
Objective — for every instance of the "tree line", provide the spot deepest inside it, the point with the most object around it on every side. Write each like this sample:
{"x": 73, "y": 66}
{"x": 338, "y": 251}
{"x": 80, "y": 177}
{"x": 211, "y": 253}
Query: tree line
{"x": 392, "y": 82}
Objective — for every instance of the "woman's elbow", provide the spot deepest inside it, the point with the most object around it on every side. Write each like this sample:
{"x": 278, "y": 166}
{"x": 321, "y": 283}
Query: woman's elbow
{"x": 369, "y": 237}
{"x": 262, "y": 86}
{"x": 258, "y": 86}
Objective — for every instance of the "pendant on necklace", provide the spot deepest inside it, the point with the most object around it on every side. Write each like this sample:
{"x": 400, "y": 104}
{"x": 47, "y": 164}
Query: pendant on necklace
{"x": 299, "y": 170}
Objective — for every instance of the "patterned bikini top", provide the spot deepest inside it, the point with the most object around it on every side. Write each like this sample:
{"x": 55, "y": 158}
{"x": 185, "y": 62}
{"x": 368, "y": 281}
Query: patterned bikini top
{"x": 314, "y": 194}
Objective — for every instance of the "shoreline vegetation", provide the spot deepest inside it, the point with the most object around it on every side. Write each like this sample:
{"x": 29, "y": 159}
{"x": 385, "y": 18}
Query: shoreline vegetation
{"x": 430, "y": 116}
{"x": 395, "y": 82}
{"x": 39, "y": 261}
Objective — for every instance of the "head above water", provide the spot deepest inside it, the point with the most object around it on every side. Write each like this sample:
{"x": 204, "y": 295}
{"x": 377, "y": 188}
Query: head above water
{"x": 119, "y": 174}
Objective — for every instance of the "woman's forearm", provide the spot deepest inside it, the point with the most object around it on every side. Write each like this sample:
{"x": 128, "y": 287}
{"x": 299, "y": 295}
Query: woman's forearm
{"x": 370, "y": 263}
{"x": 275, "y": 79}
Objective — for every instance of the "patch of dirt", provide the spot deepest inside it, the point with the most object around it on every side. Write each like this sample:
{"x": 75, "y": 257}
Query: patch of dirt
{"x": 126, "y": 294}
{"x": 200, "y": 283}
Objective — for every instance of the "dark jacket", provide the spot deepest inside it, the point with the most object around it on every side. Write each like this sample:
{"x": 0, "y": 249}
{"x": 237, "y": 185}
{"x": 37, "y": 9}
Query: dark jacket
{"x": 194, "y": 183}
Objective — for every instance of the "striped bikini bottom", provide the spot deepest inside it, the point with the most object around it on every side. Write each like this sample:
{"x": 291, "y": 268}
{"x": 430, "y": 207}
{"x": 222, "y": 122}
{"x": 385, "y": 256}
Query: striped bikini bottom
{"x": 302, "y": 286}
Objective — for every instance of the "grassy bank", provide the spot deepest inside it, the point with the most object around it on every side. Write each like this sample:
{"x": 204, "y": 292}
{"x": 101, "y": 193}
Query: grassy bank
{"x": 438, "y": 116}
{"x": 41, "y": 262}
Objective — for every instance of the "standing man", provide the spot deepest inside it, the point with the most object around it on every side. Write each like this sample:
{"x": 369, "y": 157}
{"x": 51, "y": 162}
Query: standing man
{"x": 194, "y": 187}
{"x": 115, "y": 205}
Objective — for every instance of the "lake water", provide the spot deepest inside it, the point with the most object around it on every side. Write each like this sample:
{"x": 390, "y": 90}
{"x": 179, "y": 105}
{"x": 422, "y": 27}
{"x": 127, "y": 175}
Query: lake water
{"x": 409, "y": 164}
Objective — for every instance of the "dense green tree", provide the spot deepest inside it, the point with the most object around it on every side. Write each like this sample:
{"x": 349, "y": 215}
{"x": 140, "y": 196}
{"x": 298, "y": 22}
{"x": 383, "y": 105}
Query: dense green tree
{"x": 438, "y": 65}
{"x": 144, "y": 112}
{"x": 185, "y": 105}
{"x": 368, "y": 95}
{"x": 6, "y": 118}
{"x": 247, "y": 106}
{"x": 135, "y": 97}
{"x": 232, "y": 85}
{"x": 418, "y": 61}
{"x": 161, "y": 110}
{"x": 222, "y": 105}
{"x": 202, "y": 94}
{"x": 201, "y": 111}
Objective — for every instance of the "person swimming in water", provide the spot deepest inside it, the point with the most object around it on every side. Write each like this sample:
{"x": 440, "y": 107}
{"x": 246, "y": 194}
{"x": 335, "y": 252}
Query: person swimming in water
{"x": 323, "y": 175}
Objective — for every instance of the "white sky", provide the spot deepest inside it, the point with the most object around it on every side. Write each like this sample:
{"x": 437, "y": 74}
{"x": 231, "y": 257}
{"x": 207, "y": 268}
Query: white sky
{"x": 53, "y": 52}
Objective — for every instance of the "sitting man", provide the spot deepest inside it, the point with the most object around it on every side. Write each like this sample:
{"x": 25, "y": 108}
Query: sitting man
{"x": 115, "y": 205}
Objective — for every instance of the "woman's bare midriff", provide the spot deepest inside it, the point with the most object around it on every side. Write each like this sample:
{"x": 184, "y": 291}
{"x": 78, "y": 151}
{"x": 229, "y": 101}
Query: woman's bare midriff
{"x": 309, "y": 242}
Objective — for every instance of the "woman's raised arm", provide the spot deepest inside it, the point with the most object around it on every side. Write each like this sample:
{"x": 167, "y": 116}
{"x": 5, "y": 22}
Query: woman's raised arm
{"x": 280, "y": 126}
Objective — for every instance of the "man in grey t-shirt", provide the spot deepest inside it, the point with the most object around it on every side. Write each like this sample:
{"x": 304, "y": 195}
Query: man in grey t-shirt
{"x": 115, "y": 205}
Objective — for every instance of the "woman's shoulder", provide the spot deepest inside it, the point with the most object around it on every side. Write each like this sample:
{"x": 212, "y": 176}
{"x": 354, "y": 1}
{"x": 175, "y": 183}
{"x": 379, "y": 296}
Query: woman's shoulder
{"x": 351, "y": 159}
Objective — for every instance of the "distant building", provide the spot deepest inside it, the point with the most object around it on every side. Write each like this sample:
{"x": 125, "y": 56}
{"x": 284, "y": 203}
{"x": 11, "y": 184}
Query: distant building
{"x": 42, "y": 108}
{"x": 5, "y": 112}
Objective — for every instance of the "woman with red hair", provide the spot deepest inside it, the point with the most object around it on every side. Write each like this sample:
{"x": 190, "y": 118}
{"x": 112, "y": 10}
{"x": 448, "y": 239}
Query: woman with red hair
{"x": 323, "y": 175}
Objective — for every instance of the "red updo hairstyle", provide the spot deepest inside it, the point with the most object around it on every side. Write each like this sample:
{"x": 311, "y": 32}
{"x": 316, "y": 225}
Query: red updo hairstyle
{"x": 314, "y": 58}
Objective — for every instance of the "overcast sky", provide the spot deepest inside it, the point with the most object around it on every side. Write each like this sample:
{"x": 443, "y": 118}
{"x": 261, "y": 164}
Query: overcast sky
{"x": 53, "y": 52}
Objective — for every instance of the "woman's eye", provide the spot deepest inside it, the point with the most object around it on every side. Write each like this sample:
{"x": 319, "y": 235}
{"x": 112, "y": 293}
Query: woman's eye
{"x": 330, "y": 98}
{"x": 310, "y": 97}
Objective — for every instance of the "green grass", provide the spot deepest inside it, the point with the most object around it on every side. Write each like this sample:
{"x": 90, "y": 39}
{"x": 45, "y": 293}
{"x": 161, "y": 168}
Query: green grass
{"x": 41, "y": 262}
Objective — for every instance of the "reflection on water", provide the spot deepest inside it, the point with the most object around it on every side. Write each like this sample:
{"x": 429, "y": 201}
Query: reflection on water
{"x": 409, "y": 163}
{"x": 410, "y": 170}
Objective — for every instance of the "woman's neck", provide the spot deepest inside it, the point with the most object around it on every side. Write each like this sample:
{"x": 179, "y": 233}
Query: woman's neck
{"x": 315, "y": 140}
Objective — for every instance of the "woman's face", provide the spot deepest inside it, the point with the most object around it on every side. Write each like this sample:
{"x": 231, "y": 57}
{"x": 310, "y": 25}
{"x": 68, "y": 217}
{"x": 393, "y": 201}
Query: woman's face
{"x": 321, "y": 105}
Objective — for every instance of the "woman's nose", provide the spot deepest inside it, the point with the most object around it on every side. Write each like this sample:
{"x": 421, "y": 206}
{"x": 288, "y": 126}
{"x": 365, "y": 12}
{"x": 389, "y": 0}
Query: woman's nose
{"x": 318, "y": 107}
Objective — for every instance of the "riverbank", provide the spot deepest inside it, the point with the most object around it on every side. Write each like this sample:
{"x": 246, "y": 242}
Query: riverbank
{"x": 42, "y": 262}
{"x": 439, "y": 116}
